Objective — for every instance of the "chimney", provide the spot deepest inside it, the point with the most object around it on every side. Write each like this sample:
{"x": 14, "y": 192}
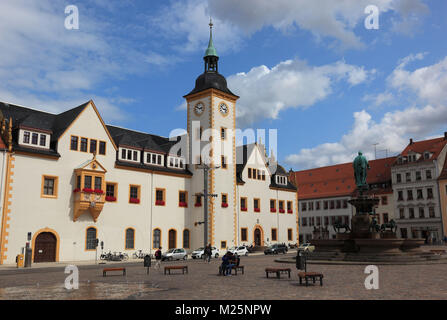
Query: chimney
{"x": 411, "y": 141}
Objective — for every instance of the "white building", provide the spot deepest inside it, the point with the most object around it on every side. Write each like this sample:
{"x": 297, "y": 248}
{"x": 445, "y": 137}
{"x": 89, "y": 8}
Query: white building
{"x": 70, "y": 179}
{"x": 416, "y": 189}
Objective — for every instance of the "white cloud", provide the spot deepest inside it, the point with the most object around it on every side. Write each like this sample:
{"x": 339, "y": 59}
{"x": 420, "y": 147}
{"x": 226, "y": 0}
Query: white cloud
{"x": 426, "y": 118}
{"x": 266, "y": 92}
{"x": 44, "y": 64}
{"x": 235, "y": 19}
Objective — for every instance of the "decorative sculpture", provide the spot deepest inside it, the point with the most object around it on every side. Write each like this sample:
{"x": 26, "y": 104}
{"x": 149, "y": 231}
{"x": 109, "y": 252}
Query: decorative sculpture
{"x": 338, "y": 225}
{"x": 391, "y": 225}
{"x": 374, "y": 226}
{"x": 361, "y": 167}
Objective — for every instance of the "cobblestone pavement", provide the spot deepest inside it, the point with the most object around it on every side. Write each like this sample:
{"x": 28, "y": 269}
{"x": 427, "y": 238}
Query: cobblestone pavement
{"x": 203, "y": 283}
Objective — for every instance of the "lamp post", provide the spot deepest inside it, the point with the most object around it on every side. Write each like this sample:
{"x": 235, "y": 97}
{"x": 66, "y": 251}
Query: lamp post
{"x": 206, "y": 169}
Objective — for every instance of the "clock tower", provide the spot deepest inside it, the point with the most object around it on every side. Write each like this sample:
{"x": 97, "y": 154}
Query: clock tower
{"x": 211, "y": 108}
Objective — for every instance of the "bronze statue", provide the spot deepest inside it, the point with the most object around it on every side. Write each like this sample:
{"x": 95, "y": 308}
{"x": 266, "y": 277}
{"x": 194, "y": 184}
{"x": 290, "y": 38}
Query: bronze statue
{"x": 339, "y": 225}
{"x": 374, "y": 226}
{"x": 392, "y": 225}
{"x": 361, "y": 167}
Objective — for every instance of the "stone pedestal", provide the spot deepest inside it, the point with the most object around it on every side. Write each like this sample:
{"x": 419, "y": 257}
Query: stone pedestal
{"x": 360, "y": 227}
{"x": 388, "y": 235}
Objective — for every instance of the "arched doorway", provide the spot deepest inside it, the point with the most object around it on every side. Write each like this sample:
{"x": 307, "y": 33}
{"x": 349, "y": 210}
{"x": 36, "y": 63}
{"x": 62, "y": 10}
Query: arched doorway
{"x": 45, "y": 247}
{"x": 172, "y": 243}
{"x": 258, "y": 236}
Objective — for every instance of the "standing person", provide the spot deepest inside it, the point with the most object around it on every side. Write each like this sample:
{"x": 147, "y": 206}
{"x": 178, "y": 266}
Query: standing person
{"x": 208, "y": 253}
{"x": 158, "y": 258}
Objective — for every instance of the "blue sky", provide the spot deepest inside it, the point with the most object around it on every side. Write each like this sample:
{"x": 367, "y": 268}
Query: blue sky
{"x": 307, "y": 68}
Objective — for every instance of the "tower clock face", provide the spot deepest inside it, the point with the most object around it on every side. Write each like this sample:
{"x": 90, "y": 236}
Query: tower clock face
{"x": 223, "y": 108}
{"x": 199, "y": 108}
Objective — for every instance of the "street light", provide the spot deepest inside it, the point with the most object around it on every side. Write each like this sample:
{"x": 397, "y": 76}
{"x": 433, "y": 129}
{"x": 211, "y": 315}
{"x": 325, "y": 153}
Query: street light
{"x": 206, "y": 169}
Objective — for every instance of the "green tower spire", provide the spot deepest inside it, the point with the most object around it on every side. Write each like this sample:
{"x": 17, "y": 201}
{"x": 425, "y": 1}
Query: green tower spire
{"x": 211, "y": 51}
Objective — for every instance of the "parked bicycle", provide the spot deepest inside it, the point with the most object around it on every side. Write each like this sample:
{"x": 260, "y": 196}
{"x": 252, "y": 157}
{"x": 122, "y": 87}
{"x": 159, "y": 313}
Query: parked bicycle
{"x": 116, "y": 256}
{"x": 139, "y": 254}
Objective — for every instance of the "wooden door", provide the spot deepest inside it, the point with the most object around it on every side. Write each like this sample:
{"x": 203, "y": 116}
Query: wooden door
{"x": 172, "y": 239}
{"x": 257, "y": 237}
{"x": 45, "y": 247}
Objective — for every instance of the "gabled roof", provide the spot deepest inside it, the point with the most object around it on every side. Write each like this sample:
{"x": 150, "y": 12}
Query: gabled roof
{"x": 39, "y": 120}
{"x": 434, "y": 146}
{"x": 338, "y": 180}
{"x": 139, "y": 140}
{"x": 443, "y": 175}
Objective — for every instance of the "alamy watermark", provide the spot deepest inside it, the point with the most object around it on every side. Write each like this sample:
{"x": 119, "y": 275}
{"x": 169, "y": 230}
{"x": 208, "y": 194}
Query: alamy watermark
{"x": 372, "y": 281}
{"x": 72, "y": 281}
{"x": 372, "y": 20}
{"x": 72, "y": 20}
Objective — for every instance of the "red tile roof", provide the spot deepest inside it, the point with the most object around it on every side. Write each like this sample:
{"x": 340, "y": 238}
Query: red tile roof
{"x": 434, "y": 146}
{"x": 338, "y": 180}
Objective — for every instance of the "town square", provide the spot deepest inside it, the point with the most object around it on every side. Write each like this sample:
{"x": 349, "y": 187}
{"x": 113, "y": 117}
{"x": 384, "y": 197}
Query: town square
{"x": 218, "y": 150}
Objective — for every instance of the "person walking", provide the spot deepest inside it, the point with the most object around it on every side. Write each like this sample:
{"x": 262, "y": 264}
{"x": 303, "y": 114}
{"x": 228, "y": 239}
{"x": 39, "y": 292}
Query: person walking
{"x": 207, "y": 253}
{"x": 158, "y": 258}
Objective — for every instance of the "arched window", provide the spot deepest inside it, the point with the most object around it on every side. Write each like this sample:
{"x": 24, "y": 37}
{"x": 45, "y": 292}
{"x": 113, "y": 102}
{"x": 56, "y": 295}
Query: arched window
{"x": 130, "y": 238}
{"x": 156, "y": 239}
{"x": 172, "y": 241}
{"x": 186, "y": 239}
{"x": 90, "y": 239}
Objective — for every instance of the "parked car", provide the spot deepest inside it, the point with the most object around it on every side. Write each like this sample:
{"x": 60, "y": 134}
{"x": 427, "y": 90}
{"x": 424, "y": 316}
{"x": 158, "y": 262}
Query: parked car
{"x": 240, "y": 251}
{"x": 198, "y": 253}
{"x": 174, "y": 254}
{"x": 306, "y": 247}
{"x": 276, "y": 248}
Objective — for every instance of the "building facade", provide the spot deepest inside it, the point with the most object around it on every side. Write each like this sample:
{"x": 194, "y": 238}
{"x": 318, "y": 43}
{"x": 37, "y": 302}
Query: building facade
{"x": 417, "y": 191}
{"x": 71, "y": 179}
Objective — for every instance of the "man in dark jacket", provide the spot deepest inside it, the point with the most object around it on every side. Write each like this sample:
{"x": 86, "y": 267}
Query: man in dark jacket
{"x": 207, "y": 253}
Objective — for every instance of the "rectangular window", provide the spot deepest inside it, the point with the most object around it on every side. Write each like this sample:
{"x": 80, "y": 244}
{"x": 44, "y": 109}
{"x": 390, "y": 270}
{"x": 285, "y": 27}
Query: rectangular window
{"x": 224, "y": 199}
{"x": 408, "y": 177}
{"x": 400, "y": 195}
{"x": 418, "y": 176}
{"x": 338, "y": 204}
{"x": 93, "y": 146}
{"x": 411, "y": 212}
{"x": 289, "y": 234}
{"x": 183, "y": 199}
{"x": 256, "y": 205}
{"x": 129, "y": 154}
{"x": 224, "y": 162}
{"x": 98, "y": 183}
{"x": 290, "y": 205}
{"x": 428, "y": 174}
{"x": 84, "y": 143}
{"x": 421, "y": 213}
{"x": 281, "y": 206}
{"x": 26, "y": 136}
{"x": 43, "y": 140}
{"x": 102, "y": 147}
{"x": 160, "y": 197}
{"x": 318, "y": 221}
{"x": 304, "y": 220}
{"x": 135, "y": 156}
{"x": 244, "y": 204}
{"x": 34, "y": 138}
{"x": 304, "y": 206}
{"x": 111, "y": 193}
{"x": 326, "y": 220}
{"x": 244, "y": 234}
{"x": 87, "y": 182}
{"x": 74, "y": 143}
{"x": 249, "y": 173}
{"x": 49, "y": 186}
{"x": 223, "y": 244}
{"x": 398, "y": 178}
{"x": 272, "y": 205}
{"x": 429, "y": 193}
{"x": 419, "y": 194}
{"x": 78, "y": 182}
{"x": 134, "y": 194}
{"x": 274, "y": 235}
{"x": 326, "y": 205}
{"x": 384, "y": 201}
{"x": 402, "y": 213}
{"x": 431, "y": 212}
{"x": 409, "y": 194}
{"x": 223, "y": 133}
{"x": 198, "y": 200}
{"x": 332, "y": 203}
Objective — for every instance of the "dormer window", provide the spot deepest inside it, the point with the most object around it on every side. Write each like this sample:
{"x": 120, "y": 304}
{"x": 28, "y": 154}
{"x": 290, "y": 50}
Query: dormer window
{"x": 281, "y": 180}
{"x": 129, "y": 155}
{"x": 176, "y": 162}
{"x": 427, "y": 155}
{"x": 154, "y": 159}
{"x": 34, "y": 139}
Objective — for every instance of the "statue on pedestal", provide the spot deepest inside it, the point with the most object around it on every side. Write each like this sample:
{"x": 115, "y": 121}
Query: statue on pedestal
{"x": 361, "y": 167}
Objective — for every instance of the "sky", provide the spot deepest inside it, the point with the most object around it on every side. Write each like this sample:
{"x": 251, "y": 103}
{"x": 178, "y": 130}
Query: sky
{"x": 310, "y": 69}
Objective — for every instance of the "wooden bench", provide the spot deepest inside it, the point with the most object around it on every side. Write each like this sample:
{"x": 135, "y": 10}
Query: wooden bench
{"x": 104, "y": 271}
{"x": 278, "y": 271}
{"x": 235, "y": 268}
{"x": 310, "y": 275}
{"x": 183, "y": 268}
